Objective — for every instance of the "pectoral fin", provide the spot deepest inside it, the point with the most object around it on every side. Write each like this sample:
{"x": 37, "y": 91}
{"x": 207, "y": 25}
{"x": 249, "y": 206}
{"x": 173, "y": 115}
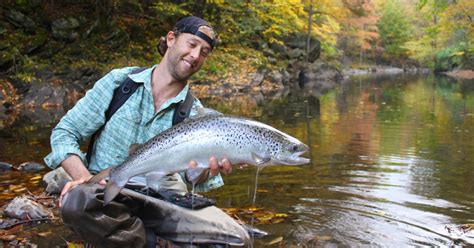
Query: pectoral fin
{"x": 197, "y": 175}
{"x": 260, "y": 160}
{"x": 133, "y": 148}
{"x": 153, "y": 180}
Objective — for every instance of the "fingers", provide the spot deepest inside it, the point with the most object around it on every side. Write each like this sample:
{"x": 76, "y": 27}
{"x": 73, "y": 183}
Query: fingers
{"x": 214, "y": 166}
{"x": 226, "y": 166}
{"x": 192, "y": 164}
{"x": 70, "y": 185}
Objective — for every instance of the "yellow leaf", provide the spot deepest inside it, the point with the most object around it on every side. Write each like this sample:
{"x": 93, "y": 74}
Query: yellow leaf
{"x": 275, "y": 241}
{"x": 36, "y": 178}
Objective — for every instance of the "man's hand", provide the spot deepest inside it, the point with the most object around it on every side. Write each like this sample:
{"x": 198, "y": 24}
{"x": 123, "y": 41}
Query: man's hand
{"x": 71, "y": 184}
{"x": 215, "y": 166}
{"x": 79, "y": 173}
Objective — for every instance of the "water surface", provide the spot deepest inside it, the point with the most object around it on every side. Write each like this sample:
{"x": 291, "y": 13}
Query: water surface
{"x": 392, "y": 162}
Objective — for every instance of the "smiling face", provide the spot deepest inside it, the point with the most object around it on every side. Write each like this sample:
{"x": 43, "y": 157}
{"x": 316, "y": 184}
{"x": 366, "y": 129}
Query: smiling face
{"x": 185, "y": 55}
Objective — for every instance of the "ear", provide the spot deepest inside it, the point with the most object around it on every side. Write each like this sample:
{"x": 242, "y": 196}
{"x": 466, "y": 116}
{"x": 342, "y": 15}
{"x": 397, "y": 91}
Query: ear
{"x": 170, "y": 38}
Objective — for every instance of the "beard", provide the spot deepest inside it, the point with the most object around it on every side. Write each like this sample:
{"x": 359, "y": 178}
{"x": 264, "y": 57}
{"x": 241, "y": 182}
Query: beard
{"x": 180, "y": 68}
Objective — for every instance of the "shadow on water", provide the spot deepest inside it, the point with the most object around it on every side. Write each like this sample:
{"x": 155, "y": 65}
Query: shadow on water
{"x": 392, "y": 162}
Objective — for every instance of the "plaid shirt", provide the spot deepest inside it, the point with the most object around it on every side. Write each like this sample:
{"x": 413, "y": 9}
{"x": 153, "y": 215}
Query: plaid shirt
{"x": 134, "y": 123}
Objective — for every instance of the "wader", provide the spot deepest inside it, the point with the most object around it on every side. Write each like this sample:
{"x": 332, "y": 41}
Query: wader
{"x": 123, "y": 221}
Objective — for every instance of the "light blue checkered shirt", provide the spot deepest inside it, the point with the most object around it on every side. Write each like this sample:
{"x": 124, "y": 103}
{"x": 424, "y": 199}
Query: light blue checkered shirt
{"x": 133, "y": 123}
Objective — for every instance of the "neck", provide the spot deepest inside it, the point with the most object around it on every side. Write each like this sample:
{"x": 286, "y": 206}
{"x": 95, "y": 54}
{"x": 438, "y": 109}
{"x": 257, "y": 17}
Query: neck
{"x": 164, "y": 87}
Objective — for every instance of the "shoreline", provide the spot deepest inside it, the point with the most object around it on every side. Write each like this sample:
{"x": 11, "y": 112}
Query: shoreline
{"x": 461, "y": 74}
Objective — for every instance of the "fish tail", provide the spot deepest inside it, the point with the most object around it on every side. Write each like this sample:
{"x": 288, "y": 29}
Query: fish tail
{"x": 111, "y": 191}
{"x": 101, "y": 175}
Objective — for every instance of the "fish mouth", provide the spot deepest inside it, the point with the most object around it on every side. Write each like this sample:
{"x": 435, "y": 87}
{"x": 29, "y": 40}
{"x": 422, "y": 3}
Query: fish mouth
{"x": 295, "y": 159}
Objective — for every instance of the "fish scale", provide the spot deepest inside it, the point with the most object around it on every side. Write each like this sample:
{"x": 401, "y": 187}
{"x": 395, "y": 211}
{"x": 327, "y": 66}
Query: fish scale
{"x": 238, "y": 139}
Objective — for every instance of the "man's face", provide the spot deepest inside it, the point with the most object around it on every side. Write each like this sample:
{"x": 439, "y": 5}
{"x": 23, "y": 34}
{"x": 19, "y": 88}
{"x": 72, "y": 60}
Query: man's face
{"x": 186, "y": 55}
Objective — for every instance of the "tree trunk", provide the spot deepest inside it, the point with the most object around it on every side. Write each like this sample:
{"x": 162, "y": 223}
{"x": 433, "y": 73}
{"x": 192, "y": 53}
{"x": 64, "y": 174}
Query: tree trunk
{"x": 310, "y": 23}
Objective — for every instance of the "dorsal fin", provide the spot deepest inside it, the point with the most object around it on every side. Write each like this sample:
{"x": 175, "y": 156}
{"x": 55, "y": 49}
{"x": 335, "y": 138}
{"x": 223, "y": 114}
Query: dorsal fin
{"x": 201, "y": 112}
{"x": 133, "y": 148}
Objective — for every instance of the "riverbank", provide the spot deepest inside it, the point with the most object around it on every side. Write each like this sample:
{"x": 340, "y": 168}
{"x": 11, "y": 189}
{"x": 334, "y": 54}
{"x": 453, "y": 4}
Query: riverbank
{"x": 462, "y": 74}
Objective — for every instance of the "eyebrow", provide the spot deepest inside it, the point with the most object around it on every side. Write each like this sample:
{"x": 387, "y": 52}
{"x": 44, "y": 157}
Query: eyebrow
{"x": 201, "y": 41}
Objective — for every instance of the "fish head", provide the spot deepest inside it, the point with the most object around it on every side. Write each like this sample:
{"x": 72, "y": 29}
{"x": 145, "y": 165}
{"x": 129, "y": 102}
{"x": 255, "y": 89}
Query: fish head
{"x": 290, "y": 153}
{"x": 284, "y": 149}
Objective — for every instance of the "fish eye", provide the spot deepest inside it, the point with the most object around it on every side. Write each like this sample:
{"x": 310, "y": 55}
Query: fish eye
{"x": 294, "y": 148}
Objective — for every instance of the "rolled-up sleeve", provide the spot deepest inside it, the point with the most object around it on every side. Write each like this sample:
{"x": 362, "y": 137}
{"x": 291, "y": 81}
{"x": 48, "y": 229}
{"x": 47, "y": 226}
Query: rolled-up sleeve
{"x": 84, "y": 119}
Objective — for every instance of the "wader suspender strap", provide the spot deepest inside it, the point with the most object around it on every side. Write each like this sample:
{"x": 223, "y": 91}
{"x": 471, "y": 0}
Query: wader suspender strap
{"x": 121, "y": 95}
{"x": 183, "y": 109}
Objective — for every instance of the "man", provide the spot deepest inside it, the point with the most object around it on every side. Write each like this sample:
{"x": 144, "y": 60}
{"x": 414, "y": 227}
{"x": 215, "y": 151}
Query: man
{"x": 146, "y": 113}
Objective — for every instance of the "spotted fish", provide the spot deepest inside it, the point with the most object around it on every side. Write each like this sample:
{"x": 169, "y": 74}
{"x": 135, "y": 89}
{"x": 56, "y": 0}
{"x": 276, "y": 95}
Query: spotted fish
{"x": 240, "y": 140}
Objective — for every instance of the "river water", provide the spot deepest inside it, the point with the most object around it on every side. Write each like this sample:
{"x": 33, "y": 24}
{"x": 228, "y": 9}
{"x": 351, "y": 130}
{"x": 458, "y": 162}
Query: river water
{"x": 392, "y": 163}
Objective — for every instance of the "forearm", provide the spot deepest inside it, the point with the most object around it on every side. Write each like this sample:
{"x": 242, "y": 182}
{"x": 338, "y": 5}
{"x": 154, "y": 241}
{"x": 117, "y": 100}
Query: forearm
{"x": 74, "y": 166}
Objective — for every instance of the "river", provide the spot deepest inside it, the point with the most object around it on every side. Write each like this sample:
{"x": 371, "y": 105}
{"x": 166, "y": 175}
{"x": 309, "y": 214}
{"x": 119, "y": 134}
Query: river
{"x": 392, "y": 163}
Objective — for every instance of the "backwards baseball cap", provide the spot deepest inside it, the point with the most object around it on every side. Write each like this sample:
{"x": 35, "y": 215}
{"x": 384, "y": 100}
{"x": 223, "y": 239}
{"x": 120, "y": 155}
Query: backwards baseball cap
{"x": 197, "y": 26}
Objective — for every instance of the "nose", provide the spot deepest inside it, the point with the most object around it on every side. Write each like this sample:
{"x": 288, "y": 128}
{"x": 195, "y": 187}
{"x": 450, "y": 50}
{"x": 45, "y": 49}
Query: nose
{"x": 195, "y": 52}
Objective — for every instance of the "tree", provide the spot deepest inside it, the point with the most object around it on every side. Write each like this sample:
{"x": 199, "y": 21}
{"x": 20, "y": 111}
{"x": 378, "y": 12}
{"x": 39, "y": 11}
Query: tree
{"x": 360, "y": 35}
{"x": 394, "y": 28}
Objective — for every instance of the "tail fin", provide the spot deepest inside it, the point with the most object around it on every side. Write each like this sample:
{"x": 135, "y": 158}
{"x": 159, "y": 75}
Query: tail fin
{"x": 101, "y": 175}
{"x": 111, "y": 191}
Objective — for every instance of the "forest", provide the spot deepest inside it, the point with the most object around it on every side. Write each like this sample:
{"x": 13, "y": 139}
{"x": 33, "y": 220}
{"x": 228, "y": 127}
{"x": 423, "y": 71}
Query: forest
{"x": 52, "y": 34}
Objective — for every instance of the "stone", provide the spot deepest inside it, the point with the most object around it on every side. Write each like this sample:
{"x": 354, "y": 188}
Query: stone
{"x": 23, "y": 208}
{"x": 5, "y": 166}
{"x": 54, "y": 181}
{"x": 31, "y": 167}
{"x": 257, "y": 78}
{"x": 44, "y": 95}
{"x": 35, "y": 43}
{"x": 297, "y": 41}
{"x": 20, "y": 20}
{"x": 64, "y": 29}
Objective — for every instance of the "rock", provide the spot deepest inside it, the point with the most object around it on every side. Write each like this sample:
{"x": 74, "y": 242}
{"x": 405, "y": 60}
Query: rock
{"x": 44, "y": 95}
{"x": 118, "y": 38}
{"x": 5, "y": 166}
{"x": 54, "y": 181}
{"x": 31, "y": 167}
{"x": 275, "y": 77}
{"x": 64, "y": 29}
{"x": 20, "y": 20}
{"x": 35, "y": 43}
{"x": 296, "y": 53}
{"x": 25, "y": 209}
{"x": 257, "y": 78}
{"x": 296, "y": 43}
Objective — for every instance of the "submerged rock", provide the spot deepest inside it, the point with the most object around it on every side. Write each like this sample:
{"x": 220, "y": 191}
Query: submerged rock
{"x": 54, "y": 181}
{"x": 5, "y": 166}
{"x": 31, "y": 167}
{"x": 25, "y": 209}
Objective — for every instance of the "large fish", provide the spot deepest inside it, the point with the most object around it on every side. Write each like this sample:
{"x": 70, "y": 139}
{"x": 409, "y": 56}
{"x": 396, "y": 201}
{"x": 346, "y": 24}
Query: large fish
{"x": 238, "y": 139}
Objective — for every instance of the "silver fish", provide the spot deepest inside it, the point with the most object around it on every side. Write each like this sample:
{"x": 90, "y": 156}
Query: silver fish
{"x": 240, "y": 140}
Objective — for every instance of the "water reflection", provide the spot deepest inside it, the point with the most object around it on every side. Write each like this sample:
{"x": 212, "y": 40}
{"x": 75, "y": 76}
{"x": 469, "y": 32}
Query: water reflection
{"x": 392, "y": 162}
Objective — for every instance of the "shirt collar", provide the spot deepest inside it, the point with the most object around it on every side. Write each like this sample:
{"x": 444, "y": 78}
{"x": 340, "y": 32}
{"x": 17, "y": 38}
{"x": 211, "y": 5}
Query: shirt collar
{"x": 145, "y": 78}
